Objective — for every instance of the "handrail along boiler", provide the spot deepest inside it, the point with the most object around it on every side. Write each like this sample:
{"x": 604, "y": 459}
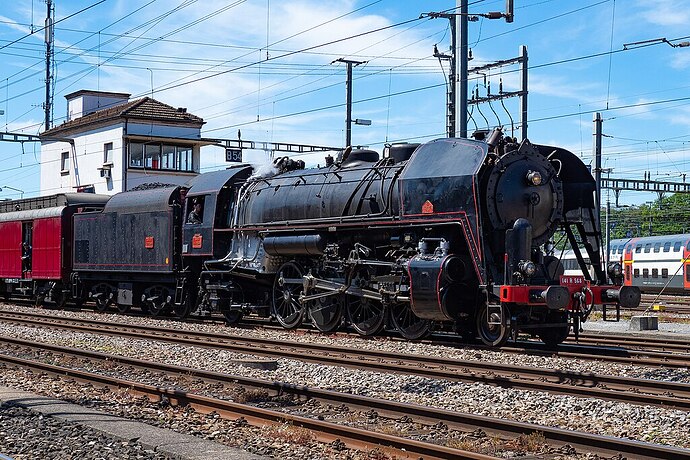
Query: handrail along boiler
{"x": 450, "y": 233}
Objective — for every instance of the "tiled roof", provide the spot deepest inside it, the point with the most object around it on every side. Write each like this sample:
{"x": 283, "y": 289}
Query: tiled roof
{"x": 143, "y": 109}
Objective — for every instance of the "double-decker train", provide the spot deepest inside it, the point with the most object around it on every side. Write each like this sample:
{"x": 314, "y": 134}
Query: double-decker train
{"x": 446, "y": 235}
{"x": 654, "y": 264}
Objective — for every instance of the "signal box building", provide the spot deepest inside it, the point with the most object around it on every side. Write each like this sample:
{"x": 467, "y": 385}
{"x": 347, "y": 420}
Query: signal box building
{"x": 111, "y": 144}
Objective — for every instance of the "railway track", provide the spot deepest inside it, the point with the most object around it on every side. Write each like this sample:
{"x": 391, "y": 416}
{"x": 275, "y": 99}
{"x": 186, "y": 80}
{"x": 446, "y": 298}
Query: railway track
{"x": 662, "y": 344}
{"x": 624, "y": 389}
{"x": 327, "y": 431}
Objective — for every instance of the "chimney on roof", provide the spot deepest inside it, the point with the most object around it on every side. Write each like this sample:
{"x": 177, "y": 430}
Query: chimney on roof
{"x": 84, "y": 102}
{"x": 182, "y": 109}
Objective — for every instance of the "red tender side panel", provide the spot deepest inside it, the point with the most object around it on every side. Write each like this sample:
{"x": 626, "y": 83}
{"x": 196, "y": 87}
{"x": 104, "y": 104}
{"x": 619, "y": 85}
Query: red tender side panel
{"x": 10, "y": 250}
{"x": 47, "y": 248}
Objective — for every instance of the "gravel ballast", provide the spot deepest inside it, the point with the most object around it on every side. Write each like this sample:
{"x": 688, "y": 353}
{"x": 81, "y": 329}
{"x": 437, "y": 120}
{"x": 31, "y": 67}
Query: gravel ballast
{"x": 650, "y": 424}
{"x": 25, "y": 434}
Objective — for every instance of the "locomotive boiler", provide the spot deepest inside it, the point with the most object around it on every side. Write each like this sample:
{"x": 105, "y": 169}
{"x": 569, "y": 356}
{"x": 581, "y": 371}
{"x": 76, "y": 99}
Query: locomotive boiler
{"x": 452, "y": 234}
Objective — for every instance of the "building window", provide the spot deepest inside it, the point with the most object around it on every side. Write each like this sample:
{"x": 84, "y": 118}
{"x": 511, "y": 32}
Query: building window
{"x": 161, "y": 156}
{"x": 152, "y": 156}
{"x": 168, "y": 157}
{"x": 108, "y": 152}
{"x": 184, "y": 159}
{"x": 64, "y": 162}
{"x": 136, "y": 154}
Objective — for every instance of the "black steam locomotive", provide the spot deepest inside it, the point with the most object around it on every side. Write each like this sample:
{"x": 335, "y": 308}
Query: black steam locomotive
{"x": 453, "y": 234}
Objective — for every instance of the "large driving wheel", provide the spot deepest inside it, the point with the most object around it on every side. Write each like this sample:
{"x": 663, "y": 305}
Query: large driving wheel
{"x": 409, "y": 325}
{"x": 367, "y": 316}
{"x": 492, "y": 324}
{"x": 183, "y": 309}
{"x": 327, "y": 312}
{"x": 287, "y": 287}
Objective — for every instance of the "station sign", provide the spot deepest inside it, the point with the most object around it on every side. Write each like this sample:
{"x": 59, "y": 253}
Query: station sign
{"x": 233, "y": 155}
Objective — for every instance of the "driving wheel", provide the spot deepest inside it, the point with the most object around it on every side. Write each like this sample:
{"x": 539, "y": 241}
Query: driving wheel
{"x": 287, "y": 287}
{"x": 409, "y": 325}
{"x": 326, "y": 313}
{"x": 367, "y": 316}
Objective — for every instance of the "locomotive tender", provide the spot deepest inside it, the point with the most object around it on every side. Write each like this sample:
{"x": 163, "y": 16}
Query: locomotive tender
{"x": 443, "y": 235}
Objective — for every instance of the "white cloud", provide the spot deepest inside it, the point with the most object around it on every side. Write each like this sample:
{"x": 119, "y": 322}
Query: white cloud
{"x": 666, "y": 12}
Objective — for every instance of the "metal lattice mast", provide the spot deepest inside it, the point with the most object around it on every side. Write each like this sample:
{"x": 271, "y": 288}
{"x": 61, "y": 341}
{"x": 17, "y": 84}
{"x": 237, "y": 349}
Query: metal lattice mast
{"x": 50, "y": 53}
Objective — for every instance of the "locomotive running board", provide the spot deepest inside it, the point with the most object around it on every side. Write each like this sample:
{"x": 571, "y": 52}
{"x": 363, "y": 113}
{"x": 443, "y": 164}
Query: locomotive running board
{"x": 332, "y": 288}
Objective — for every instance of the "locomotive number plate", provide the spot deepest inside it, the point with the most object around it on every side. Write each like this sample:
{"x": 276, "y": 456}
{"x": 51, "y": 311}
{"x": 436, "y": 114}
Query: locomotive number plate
{"x": 572, "y": 280}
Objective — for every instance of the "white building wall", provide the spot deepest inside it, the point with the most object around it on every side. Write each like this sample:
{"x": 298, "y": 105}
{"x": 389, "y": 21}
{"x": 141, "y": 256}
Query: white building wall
{"x": 89, "y": 103}
{"x": 86, "y": 156}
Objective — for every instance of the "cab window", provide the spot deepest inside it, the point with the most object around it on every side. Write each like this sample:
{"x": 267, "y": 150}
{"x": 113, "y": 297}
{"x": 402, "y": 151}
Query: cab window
{"x": 195, "y": 207}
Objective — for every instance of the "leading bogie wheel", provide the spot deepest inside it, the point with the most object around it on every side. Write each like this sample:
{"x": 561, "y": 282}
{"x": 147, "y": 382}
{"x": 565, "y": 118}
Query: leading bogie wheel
{"x": 287, "y": 287}
{"x": 554, "y": 336}
{"x": 492, "y": 324}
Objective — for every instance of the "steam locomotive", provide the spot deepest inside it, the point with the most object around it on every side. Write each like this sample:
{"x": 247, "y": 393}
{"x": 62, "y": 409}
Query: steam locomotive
{"x": 453, "y": 235}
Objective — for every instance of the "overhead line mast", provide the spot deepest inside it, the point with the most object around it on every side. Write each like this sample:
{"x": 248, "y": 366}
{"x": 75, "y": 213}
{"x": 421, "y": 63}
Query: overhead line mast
{"x": 50, "y": 53}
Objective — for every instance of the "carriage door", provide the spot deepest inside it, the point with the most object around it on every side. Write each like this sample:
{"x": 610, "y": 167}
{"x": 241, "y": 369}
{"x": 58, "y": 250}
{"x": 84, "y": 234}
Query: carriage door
{"x": 27, "y": 248}
{"x": 628, "y": 264}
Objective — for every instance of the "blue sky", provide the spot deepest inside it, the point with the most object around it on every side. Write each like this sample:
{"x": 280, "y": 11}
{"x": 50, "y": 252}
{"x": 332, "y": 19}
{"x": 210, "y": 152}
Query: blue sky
{"x": 297, "y": 95}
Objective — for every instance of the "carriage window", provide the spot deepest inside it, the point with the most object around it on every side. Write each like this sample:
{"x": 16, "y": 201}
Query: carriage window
{"x": 655, "y": 272}
{"x": 677, "y": 245}
{"x": 613, "y": 249}
{"x": 647, "y": 247}
{"x": 645, "y": 273}
{"x": 657, "y": 247}
{"x": 638, "y": 248}
{"x": 664, "y": 272}
{"x": 667, "y": 246}
{"x": 637, "y": 273}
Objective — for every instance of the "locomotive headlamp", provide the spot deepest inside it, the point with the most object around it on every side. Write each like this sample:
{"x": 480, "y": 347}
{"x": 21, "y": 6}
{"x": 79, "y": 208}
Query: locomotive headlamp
{"x": 534, "y": 177}
{"x": 527, "y": 267}
{"x": 615, "y": 269}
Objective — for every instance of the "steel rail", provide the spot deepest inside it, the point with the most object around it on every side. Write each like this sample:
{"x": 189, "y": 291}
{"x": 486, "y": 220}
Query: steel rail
{"x": 585, "y": 441}
{"x": 324, "y": 431}
{"x": 643, "y": 357}
{"x": 625, "y": 389}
